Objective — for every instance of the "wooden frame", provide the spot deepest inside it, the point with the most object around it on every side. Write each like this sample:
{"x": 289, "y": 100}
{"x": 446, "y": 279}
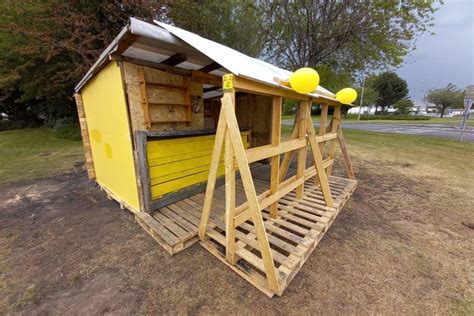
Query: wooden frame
{"x": 228, "y": 138}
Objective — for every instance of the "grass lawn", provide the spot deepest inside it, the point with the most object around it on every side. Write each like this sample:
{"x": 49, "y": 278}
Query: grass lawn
{"x": 402, "y": 244}
{"x": 29, "y": 154}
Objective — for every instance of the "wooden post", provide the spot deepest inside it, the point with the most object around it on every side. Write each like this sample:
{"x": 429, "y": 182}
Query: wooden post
{"x": 285, "y": 164}
{"x": 318, "y": 161}
{"x": 250, "y": 193}
{"x": 144, "y": 97}
{"x": 336, "y": 120}
{"x": 345, "y": 155}
{"x": 229, "y": 193}
{"x": 85, "y": 136}
{"x": 211, "y": 180}
{"x": 301, "y": 166}
{"x": 275, "y": 164}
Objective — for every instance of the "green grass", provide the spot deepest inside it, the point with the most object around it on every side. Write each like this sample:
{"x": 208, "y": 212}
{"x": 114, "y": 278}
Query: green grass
{"x": 35, "y": 153}
{"x": 451, "y": 121}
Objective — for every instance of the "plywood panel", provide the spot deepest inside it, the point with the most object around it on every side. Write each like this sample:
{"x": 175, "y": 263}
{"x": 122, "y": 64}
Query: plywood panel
{"x": 255, "y": 111}
{"x": 110, "y": 136}
{"x": 165, "y": 112}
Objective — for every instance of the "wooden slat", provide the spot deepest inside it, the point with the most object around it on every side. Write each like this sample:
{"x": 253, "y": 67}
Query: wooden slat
{"x": 263, "y": 152}
{"x": 275, "y": 163}
{"x": 144, "y": 97}
{"x": 301, "y": 163}
{"x": 175, "y": 59}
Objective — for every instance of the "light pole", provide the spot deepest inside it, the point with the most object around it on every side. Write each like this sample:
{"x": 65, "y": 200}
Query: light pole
{"x": 361, "y": 98}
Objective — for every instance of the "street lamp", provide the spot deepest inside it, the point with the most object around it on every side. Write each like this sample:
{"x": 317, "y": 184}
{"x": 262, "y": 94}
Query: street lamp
{"x": 361, "y": 98}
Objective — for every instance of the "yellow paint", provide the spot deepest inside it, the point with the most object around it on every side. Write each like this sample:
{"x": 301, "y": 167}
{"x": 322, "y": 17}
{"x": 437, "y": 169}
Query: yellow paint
{"x": 107, "y": 121}
{"x": 228, "y": 82}
{"x": 181, "y": 162}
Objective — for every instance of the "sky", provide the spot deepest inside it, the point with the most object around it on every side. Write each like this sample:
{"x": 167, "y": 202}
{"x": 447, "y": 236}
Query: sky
{"x": 447, "y": 56}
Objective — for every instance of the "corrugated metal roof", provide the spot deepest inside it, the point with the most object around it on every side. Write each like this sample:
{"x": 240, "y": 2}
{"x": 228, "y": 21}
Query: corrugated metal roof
{"x": 155, "y": 43}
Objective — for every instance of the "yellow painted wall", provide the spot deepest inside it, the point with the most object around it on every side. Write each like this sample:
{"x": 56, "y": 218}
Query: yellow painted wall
{"x": 110, "y": 135}
{"x": 181, "y": 162}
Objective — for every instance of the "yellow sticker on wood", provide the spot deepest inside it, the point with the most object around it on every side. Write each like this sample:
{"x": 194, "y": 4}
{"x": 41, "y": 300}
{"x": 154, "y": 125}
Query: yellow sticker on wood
{"x": 228, "y": 83}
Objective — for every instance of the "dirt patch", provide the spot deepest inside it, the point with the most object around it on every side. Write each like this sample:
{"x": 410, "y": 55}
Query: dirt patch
{"x": 399, "y": 246}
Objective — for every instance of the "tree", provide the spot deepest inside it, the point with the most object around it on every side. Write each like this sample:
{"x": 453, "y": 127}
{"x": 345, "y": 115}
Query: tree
{"x": 403, "y": 106}
{"x": 443, "y": 98}
{"x": 345, "y": 35}
{"x": 234, "y": 23}
{"x": 46, "y": 47}
{"x": 390, "y": 89}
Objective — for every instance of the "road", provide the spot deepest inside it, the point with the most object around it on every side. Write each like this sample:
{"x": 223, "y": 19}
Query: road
{"x": 437, "y": 130}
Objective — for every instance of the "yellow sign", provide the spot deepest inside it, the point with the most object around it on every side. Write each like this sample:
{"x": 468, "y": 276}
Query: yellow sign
{"x": 228, "y": 83}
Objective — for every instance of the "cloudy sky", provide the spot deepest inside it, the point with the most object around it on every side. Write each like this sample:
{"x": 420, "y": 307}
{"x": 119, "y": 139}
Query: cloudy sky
{"x": 447, "y": 56}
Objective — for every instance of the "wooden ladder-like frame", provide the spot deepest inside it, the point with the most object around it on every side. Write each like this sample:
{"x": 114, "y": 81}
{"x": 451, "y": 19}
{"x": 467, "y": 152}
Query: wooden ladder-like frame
{"x": 236, "y": 156}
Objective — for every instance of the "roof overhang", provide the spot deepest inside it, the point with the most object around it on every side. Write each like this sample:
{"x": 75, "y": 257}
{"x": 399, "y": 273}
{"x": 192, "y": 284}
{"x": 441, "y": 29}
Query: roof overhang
{"x": 166, "y": 45}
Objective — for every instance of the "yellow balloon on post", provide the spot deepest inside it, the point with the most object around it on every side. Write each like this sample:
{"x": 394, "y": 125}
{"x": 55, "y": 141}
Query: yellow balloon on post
{"x": 346, "y": 95}
{"x": 304, "y": 80}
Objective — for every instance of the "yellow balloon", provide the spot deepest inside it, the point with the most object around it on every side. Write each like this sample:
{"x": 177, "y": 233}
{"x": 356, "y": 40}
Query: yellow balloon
{"x": 346, "y": 95}
{"x": 304, "y": 80}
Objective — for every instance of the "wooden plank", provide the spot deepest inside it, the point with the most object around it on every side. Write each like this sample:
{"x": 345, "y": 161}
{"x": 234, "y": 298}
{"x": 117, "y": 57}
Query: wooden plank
{"x": 175, "y": 59}
{"x": 187, "y": 98}
{"x": 244, "y": 169}
{"x": 263, "y": 152}
{"x": 301, "y": 164}
{"x": 210, "y": 67}
{"x": 229, "y": 194}
{"x": 211, "y": 180}
{"x": 318, "y": 161}
{"x": 85, "y": 137}
{"x": 285, "y": 164}
{"x": 275, "y": 163}
{"x": 336, "y": 121}
{"x": 143, "y": 170}
{"x": 345, "y": 154}
{"x": 144, "y": 97}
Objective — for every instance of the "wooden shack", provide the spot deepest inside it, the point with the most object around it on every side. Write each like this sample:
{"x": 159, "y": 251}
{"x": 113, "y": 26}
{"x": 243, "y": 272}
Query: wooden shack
{"x": 167, "y": 117}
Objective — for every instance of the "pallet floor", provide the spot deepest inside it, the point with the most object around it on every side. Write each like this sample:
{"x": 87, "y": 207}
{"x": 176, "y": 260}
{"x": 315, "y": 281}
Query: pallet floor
{"x": 293, "y": 236}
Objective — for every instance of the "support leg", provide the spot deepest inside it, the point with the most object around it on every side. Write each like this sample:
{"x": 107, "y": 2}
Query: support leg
{"x": 301, "y": 166}
{"x": 275, "y": 164}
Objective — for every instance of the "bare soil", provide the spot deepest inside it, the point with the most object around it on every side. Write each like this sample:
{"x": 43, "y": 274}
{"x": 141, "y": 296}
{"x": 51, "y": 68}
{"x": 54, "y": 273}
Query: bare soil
{"x": 403, "y": 244}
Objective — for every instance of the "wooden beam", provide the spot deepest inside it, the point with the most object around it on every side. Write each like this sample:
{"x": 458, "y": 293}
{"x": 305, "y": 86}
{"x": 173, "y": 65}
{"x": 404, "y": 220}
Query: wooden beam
{"x": 268, "y": 151}
{"x": 275, "y": 163}
{"x": 336, "y": 120}
{"x": 229, "y": 193}
{"x": 126, "y": 42}
{"x": 285, "y": 164}
{"x": 85, "y": 136}
{"x": 249, "y": 188}
{"x": 205, "y": 78}
{"x": 144, "y": 97}
{"x": 175, "y": 59}
{"x": 210, "y": 67}
{"x": 211, "y": 179}
{"x": 318, "y": 161}
{"x": 345, "y": 155}
{"x": 147, "y": 63}
{"x": 210, "y": 89}
{"x": 301, "y": 165}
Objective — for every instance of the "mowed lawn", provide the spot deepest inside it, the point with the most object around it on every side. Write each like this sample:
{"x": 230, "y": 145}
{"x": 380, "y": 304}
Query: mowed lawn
{"x": 36, "y": 153}
{"x": 402, "y": 244}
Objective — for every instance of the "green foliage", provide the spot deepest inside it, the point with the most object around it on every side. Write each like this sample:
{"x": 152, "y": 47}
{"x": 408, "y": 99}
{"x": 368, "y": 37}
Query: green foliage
{"x": 390, "y": 89}
{"x": 46, "y": 46}
{"x": 404, "y": 106}
{"x": 344, "y": 35}
{"x": 234, "y": 23}
{"x": 67, "y": 128}
{"x": 448, "y": 97}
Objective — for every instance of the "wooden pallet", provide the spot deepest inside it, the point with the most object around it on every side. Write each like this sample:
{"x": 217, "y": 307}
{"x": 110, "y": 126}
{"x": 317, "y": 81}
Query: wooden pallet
{"x": 293, "y": 236}
{"x": 173, "y": 227}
